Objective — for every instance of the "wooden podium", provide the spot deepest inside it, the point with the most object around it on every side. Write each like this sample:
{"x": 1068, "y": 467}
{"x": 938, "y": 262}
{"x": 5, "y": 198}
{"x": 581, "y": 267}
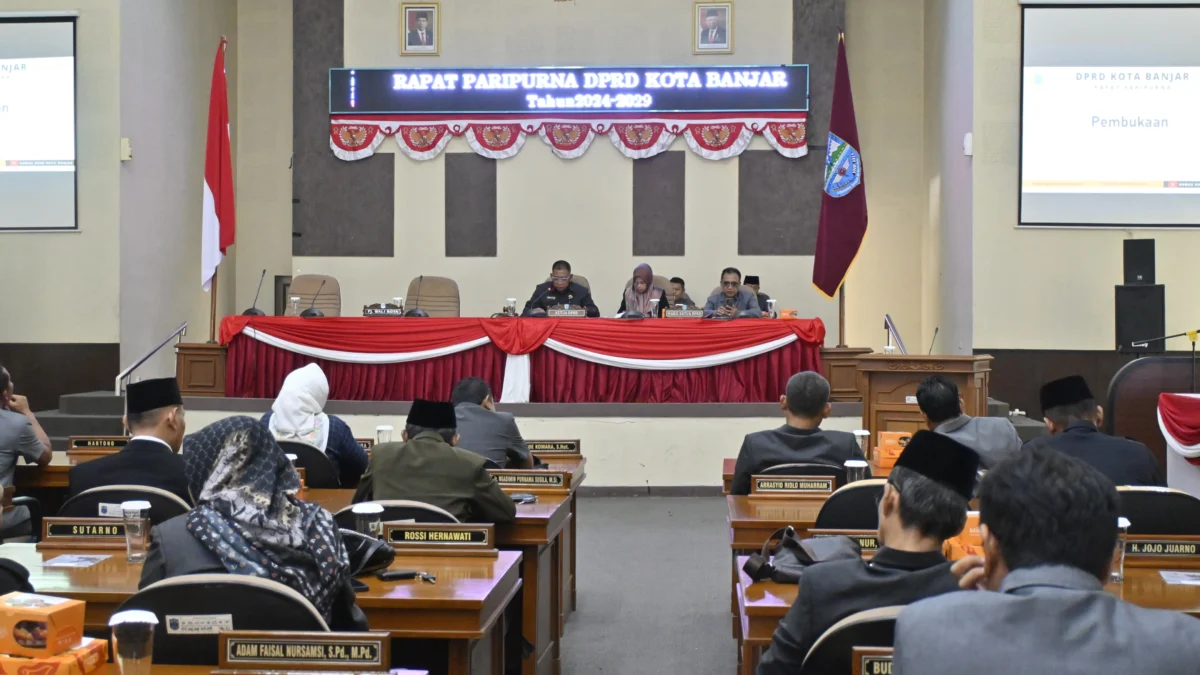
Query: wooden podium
{"x": 200, "y": 369}
{"x": 890, "y": 382}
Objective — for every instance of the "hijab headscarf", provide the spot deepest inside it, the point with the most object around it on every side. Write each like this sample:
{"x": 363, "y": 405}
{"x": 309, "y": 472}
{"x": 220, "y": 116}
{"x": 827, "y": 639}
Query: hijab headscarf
{"x": 248, "y": 515}
{"x": 296, "y": 414}
{"x": 645, "y": 303}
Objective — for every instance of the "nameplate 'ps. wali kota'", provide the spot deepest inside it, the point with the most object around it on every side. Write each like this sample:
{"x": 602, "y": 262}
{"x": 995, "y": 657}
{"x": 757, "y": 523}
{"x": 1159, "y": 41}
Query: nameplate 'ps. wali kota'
{"x": 84, "y": 533}
{"x": 792, "y": 486}
{"x": 532, "y": 480}
{"x": 1166, "y": 552}
{"x": 283, "y": 651}
{"x": 441, "y": 538}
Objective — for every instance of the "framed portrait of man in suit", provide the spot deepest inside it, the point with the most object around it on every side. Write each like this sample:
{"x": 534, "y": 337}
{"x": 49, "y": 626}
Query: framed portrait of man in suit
{"x": 712, "y": 28}
{"x": 420, "y": 29}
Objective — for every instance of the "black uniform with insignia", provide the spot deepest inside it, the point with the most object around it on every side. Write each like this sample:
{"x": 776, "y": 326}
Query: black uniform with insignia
{"x": 546, "y": 296}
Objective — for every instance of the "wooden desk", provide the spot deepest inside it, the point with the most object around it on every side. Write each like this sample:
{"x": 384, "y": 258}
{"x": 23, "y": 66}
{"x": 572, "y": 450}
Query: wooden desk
{"x": 537, "y": 533}
{"x": 575, "y": 467}
{"x": 762, "y": 604}
{"x": 751, "y": 521}
{"x": 113, "y": 669}
{"x": 729, "y": 463}
{"x": 463, "y": 609}
{"x": 52, "y": 476}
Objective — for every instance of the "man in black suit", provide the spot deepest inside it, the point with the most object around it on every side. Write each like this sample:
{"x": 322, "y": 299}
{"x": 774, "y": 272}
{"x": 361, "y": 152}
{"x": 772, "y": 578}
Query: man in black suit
{"x": 713, "y": 33}
{"x": 924, "y": 502}
{"x": 421, "y": 36}
{"x": 805, "y": 405}
{"x": 1074, "y": 420}
{"x": 154, "y": 415}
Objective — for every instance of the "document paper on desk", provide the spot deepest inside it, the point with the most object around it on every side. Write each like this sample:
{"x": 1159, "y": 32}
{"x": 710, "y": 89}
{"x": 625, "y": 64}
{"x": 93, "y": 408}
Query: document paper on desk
{"x": 75, "y": 560}
{"x": 1181, "y": 578}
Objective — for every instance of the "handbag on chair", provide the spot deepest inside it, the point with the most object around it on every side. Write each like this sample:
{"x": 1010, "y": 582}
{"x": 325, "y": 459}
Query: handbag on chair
{"x": 794, "y": 554}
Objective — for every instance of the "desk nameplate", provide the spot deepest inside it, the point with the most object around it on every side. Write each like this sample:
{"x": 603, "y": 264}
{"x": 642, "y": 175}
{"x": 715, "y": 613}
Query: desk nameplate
{"x": 867, "y": 540}
{"x": 683, "y": 314}
{"x": 872, "y": 660}
{"x": 89, "y": 533}
{"x": 1180, "y": 551}
{"x": 567, "y": 313}
{"x": 792, "y": 486}
{"x": 275, "y": 651}
{"x": 365, "y": 443}
{"x": 554, "y": 447}
{"x": 532, "y": 480}
{"x": 97, "y": 443}
{"x": 441, "y": 538}
{"x": 388, "y": 310}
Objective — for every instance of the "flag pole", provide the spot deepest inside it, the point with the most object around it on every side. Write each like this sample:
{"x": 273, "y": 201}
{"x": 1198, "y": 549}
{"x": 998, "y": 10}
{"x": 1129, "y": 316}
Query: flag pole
{"x": 212, "y": 311}
{"x": 841, "y": 315}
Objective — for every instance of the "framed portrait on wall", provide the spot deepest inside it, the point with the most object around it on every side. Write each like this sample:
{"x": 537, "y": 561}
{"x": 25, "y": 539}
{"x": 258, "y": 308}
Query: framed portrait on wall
{"x": 420, "y": 28}
{"x": 712, "y": 28}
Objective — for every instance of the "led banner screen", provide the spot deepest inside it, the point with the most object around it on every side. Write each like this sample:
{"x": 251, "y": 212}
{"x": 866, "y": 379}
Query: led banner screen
{"x": 539, "y": 91}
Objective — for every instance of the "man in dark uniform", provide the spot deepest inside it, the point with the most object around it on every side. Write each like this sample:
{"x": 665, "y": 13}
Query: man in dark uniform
{"x": 561, "y": 292}
{"x": 154, "y": 415}
{"x": 1073, "y": 418}
{"x": 752, "y": 282}
{"x": 924, "y": 503}
{"x": 805, "y": 405}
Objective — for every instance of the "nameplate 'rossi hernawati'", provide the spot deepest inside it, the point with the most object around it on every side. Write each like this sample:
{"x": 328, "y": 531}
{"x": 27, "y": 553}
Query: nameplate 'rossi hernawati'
{"x": 262, "y": 651}
{"x": 793, "y": 486}
{"x": 404, "y": 536}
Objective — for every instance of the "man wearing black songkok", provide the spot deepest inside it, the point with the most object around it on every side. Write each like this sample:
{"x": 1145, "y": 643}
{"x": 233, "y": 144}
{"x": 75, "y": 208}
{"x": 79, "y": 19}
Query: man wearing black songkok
{"x": 154, "y": 416}
{"x": 1074, "y": 419}
{"x": 924, "y": 503}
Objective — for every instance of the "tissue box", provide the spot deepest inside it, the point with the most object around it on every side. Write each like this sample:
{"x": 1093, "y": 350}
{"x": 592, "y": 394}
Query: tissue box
{"x": 891, "y": 444}
{"x": 39, "y": 625}
{"x": 90, "y": 656}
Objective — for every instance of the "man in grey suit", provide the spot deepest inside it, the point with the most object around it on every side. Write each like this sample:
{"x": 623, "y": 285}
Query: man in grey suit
{"x": 732, "y": 298}
{"x": 1049, "y": 527}
{"x": 483, "y": 430}
{"x": 994, "y": 438}
{"x": 801, "y": 439}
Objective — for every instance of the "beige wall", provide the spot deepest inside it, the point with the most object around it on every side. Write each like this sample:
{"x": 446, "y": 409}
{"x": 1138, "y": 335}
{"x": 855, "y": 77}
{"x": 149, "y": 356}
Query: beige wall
{"x": 1046, "y": 289}
{"x": 64, "y": 287}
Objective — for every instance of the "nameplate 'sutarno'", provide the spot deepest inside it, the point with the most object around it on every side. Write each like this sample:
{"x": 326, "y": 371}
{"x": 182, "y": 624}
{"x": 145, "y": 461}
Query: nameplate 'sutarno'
{"x": 255, "y": 651}
{"x": 84, "y": 533}
{"x": 1153, "y": 547}
{"x": 97, "y": 442}
{"x": 554, "y": 446}
{"x": 793, "y": 485}
{"x": 530, "y": 478}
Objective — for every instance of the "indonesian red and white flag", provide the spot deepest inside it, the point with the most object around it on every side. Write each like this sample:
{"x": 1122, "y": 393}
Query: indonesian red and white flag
{"x": 218, "y": 215}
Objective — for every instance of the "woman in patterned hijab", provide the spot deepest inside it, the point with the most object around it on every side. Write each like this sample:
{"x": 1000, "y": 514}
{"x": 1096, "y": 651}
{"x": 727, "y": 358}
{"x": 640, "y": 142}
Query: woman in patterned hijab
{"x": 247, "y": 513}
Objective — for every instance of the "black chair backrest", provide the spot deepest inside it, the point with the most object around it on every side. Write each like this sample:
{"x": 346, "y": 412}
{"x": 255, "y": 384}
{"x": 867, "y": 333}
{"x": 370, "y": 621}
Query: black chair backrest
{"x": 806, "y": 469}
{"x": 852, "y": 507}
{"x": 319, "y": 472}
{"x": 250, "y": 602}
{"x": 831, "y": 654}
{"x": 163, "y": 505}
{"x": 1158, "y": 511}
{"x": 398, "y": 509}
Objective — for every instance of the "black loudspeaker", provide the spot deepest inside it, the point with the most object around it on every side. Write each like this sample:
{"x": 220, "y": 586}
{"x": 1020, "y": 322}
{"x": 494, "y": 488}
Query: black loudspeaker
{"x": 1139, "y": 261}
{"x": 1140, "y": 316}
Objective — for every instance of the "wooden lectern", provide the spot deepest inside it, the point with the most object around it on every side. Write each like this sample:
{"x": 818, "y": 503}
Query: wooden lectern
{"x": 200, "y": 369}
{"x": 890, "y": 382}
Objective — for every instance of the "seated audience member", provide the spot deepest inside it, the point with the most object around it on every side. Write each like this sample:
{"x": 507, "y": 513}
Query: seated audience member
{"x": 994, "y": 438}
{"x": 732, "y": 298}
{"x": 248, "y": 521}
{"x": 485, "y": 431}
{"x": 427, "y": 467}
{"x": 154, "y": 416}
{"x": 643, "y": 296}
{"x": 298, "y": 416}
{"x": 924, "y": 503}
{"x": 561, "y": 292}
{"x": 800, "y": 439}
{"x": 762, "y": 298}
{"x": 1049, "y": 526}
{"x": 20, "y": 436}
{"x": 679, "y": 296}
{"x": 1074, "y": 419}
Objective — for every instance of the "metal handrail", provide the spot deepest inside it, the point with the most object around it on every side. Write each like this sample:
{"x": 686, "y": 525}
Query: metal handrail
{"x": 181, "y": 331}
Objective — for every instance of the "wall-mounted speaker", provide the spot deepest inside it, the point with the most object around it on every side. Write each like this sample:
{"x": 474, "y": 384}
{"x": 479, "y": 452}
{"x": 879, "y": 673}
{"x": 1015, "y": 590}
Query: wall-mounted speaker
{"x": 1140, "y": 315}
{"x": 1139, "y": 261}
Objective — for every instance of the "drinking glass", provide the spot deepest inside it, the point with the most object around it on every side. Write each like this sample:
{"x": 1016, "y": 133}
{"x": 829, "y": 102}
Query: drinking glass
{"x": 133, "y": 640}
{"x": 771, "y": 309}
{"x": 295, "y": 299}
{"x": 1117, "y": 571}
{"x": 856, "y": 470}
{"x": 399, "y": 302}
{"x": 368, "y": 519}
{"x": 383, "y": 433}
{"x": 135, "y": 515}
{"x": 510, "y": 306}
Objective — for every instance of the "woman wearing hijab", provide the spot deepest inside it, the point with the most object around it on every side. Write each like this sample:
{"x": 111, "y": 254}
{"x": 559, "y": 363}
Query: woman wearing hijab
{"x": 247, "y": 520}
{"x": 643, "y": 296}
{"x": 297, "y": 415}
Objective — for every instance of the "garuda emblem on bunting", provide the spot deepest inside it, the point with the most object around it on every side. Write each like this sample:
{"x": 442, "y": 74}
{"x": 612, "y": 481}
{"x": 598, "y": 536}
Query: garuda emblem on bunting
{"x": 843, "y": 167}
{"x": 353, "y": 136}
{"x": 423, "y": 138}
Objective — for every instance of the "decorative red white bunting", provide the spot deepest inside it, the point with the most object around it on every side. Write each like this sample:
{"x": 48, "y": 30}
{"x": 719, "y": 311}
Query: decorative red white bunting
{"x": 500, "y": 136}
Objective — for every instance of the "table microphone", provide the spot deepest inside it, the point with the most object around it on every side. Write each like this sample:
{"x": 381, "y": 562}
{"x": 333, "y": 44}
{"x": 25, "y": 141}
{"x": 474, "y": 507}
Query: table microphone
{"x": 254, "y": 310}
{"x": 533, "y": 303}
{"x": 935, "y": 332}
{"x": 312, "y": 312}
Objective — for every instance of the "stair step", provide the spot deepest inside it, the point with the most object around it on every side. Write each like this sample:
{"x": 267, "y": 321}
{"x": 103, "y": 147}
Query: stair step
{"x": 57, "y": 423}
{"x": 92, "y": 403}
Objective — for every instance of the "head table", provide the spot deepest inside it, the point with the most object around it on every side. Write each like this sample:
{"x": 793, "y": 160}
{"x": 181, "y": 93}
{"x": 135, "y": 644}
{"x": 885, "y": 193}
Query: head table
{"x": 539, "y": 360}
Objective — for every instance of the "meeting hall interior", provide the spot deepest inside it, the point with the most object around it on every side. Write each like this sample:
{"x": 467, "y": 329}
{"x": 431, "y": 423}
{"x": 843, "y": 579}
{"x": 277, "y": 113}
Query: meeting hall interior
{"x": 585, "y": 337}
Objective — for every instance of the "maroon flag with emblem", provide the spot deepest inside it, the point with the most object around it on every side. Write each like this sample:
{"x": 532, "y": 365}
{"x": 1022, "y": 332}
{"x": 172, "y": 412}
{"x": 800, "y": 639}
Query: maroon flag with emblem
{"x": 844, "y": 204}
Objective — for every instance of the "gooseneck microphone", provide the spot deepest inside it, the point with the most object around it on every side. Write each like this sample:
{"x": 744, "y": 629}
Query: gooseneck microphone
{"x": 312, "y": 312}
{"x": 532, "y": 304}
{"x": 254, "y": 310}
{"x": 935, "y": 332}
{"x": 416, "y": 303}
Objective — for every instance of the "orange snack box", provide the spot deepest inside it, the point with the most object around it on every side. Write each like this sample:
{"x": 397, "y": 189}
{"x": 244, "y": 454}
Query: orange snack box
{"x": 965, "y": 543}
{"x": 90, "y": 656}
{"x": 39, "y": 625}
{"x": 891, "y": 444}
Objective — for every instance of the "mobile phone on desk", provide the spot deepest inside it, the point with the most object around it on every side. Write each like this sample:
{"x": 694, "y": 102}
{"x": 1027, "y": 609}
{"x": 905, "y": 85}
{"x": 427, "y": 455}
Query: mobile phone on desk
{"x": 397, "y": 575}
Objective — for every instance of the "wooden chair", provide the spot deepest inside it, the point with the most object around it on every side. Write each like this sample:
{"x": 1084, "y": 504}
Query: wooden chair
{"x": 852, "y": 507}
{"x": 438, "y": 296}
{"x": 579, "y": 279}
{"x": 831, "y": 653}
{"x": 306, "y": 286}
